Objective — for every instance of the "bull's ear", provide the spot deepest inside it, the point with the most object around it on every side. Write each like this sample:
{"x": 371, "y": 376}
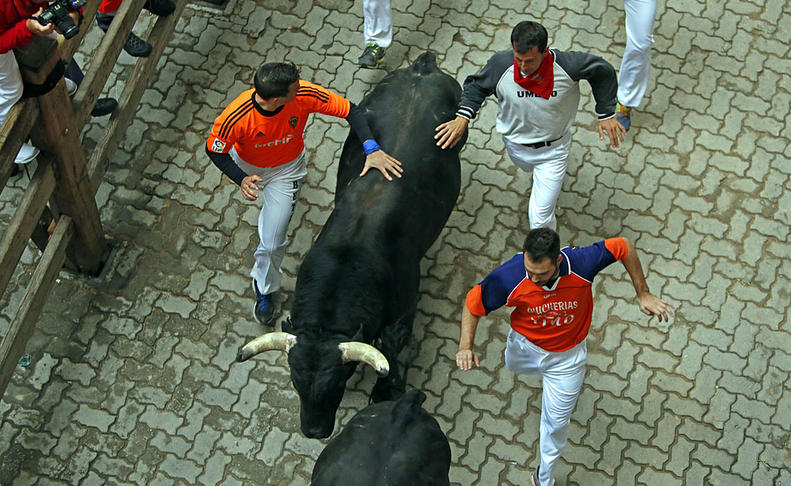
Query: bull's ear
{"x": 281, "y": 341}
{"x": 286, "y": 325}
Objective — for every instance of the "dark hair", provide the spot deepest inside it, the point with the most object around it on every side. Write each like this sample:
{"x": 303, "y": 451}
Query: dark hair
{"x": 542, "y": 243}
{"x": 272, "y": 79}
{"x": 527, "y": 35}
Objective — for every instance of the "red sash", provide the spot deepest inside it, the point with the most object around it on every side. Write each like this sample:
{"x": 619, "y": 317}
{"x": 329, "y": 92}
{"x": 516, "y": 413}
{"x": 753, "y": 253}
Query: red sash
{"x": 540, "y": 83}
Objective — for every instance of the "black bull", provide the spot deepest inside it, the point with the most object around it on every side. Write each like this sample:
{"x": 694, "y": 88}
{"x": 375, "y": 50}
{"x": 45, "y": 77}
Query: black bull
{"x": 358, "y": 284}
{"x": 410, "y": 448}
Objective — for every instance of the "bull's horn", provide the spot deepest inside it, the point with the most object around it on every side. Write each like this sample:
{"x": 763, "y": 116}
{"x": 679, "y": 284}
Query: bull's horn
{"x": 282, "y": 341}
{"x": 365, "y": 353}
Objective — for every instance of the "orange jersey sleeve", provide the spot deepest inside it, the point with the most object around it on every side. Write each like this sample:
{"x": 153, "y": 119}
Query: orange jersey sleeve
{"x": 474, "y": 302}
{"x": 319, "y": 99}
{"x": 224, "y": 132}
{"x": 617, "y": 246}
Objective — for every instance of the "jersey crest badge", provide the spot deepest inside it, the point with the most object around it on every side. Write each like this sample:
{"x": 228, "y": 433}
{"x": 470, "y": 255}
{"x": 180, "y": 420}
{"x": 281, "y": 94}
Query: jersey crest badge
{"x": 218, "y": 146}
{"x": 293, "y": 121}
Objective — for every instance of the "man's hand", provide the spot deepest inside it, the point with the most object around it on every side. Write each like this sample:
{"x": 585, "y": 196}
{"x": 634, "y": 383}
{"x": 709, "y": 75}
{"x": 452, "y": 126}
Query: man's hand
{"x": 36, "y": 28}
{"x": 465, "y": 358}
{"x": 654, "y": 306}
{"x": 249, "y": 187}
{"x": 384, "y": 163}
{"x": 449, "y": 133}
{"x": 614, "y": 130}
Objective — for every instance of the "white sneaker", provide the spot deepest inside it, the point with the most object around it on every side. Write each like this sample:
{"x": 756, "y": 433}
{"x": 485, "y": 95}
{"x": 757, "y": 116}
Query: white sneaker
{"x": 26, "y": 154}
{"x": 71, "y": 86}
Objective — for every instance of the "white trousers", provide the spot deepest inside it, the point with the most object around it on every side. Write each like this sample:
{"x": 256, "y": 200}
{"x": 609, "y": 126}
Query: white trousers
{"x": 561, "y": 378}
{"x": 279, "y": 193}
{"x": 378, "y": 22}
{"x": 636, "y": 64}
{"x": 10, "y": 93}
{"x": 548, "y": 165}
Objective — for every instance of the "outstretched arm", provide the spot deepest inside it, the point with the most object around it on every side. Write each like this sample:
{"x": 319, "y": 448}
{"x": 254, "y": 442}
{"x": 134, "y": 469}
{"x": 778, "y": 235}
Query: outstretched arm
{"x": 375, "y": 157}
{"x": 649, "y": 304}
{"x": 465, "y": 357}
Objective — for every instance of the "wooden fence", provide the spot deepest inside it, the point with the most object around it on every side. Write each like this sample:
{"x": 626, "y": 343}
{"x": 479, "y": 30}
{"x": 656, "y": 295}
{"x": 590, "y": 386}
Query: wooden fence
{"x": 62, "y": 190}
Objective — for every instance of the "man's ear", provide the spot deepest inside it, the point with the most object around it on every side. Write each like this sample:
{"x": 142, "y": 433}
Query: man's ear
{"x": 560, "y": 258}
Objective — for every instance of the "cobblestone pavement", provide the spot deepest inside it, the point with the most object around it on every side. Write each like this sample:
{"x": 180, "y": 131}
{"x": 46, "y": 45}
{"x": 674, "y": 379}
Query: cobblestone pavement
{"x": 132, "y": 378}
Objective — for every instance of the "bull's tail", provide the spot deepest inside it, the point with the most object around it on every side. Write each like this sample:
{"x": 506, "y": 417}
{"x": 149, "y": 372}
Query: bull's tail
{"x": 426, "y": 63}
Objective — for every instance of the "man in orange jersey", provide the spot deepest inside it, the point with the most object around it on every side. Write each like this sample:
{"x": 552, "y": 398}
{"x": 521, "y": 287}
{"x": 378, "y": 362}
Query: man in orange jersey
{"x": 550, "y": 289}
{"x": 257, "y": 142}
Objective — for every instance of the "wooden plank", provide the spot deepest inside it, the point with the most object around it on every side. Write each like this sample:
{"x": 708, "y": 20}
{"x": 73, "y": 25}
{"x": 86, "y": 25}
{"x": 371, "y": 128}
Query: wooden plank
{"x": 25, "y": 219}
{"x": 21, "y": 328}
{"x": 104, "y": 59}
{"x": 74, "y": 194}
{"x": 130, "y": 97}
{"x": 13, "y": 134}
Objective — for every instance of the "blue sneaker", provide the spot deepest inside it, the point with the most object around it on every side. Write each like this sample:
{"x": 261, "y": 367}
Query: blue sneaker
{"x": 623, "y": 116}
{"x": 264, "y": 308}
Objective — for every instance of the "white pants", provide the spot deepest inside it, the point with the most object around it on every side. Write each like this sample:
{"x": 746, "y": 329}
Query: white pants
{"x": 10, "y": 93}
{"x": 548, "y": 165}
{"x": 279, "y": 192}
{"x": 378, "y": 22}
{"x": 561, "y": 377}
{"x": 636, "y": 64}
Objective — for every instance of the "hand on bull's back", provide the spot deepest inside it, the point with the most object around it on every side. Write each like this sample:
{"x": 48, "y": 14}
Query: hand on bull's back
{"x": 385, "y": 163}
{"x": 449, "y": 133}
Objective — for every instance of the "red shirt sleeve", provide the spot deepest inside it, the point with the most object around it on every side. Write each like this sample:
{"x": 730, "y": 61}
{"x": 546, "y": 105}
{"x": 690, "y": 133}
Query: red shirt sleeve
{"x": 17, "y": 36}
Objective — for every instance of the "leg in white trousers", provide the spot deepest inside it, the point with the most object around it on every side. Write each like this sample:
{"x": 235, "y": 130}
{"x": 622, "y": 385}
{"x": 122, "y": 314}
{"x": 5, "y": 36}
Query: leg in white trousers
{"x": 562, "y": 376}
{"x": 636, "y": 64}
{"x": 10, "y": 93}
{"x": 378, "y": 22}
{"x": 548, "y": 165}
{"x": 279, "y": 193}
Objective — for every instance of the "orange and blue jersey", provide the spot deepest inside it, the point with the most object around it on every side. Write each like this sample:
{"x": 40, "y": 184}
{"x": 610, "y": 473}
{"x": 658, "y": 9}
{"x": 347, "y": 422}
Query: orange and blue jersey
{"x": 555, "y": 318}
{"x": 269, "y": 139}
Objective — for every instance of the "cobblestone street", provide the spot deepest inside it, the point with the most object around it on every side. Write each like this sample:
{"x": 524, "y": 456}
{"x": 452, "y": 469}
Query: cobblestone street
{"x": 133, "y": 379}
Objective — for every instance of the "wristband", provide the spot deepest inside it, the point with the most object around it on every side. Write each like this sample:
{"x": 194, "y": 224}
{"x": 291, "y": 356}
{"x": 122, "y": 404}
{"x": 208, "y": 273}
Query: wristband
{"x": 370, "y": 146}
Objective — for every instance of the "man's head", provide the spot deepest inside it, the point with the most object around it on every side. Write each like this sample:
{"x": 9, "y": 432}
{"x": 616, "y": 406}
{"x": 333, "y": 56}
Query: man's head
{"x": 276, "y": 80}
{"x": 529, "y": 41}
{"x": 542, "y": 255}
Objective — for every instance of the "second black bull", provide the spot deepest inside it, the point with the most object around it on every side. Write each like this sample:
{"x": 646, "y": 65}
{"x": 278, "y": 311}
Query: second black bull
{"x": 358, "y": 284}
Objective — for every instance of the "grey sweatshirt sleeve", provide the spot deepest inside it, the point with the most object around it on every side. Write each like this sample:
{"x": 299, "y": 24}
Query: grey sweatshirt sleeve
{"x": 598, "y": 72}
{"x": 478, "y": 86}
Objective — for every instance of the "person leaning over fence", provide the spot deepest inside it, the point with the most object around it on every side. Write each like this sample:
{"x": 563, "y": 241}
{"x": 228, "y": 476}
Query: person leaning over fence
{"x": 550, "y": 290}
{"x": 257, "y": 142}
{"x": 134, "y": 45}
{"x": 18, "y": 26}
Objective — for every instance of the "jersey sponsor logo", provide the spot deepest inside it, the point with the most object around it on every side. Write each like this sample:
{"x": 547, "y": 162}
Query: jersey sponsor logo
{"x": 292, "y": 122}
{"x": 554, "y": 306}
{"x": 275, "y": 143}
{"x": 530, "y": 94}
{"x": 218, "y": 146}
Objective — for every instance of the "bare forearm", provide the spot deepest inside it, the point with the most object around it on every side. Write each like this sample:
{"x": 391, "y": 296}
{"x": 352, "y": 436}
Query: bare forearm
{"x": 635, "y": 269}
{"x": 469, "y": 323}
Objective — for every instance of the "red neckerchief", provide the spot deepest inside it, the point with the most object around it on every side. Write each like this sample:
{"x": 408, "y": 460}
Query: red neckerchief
{"x": 540, "y": 83}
